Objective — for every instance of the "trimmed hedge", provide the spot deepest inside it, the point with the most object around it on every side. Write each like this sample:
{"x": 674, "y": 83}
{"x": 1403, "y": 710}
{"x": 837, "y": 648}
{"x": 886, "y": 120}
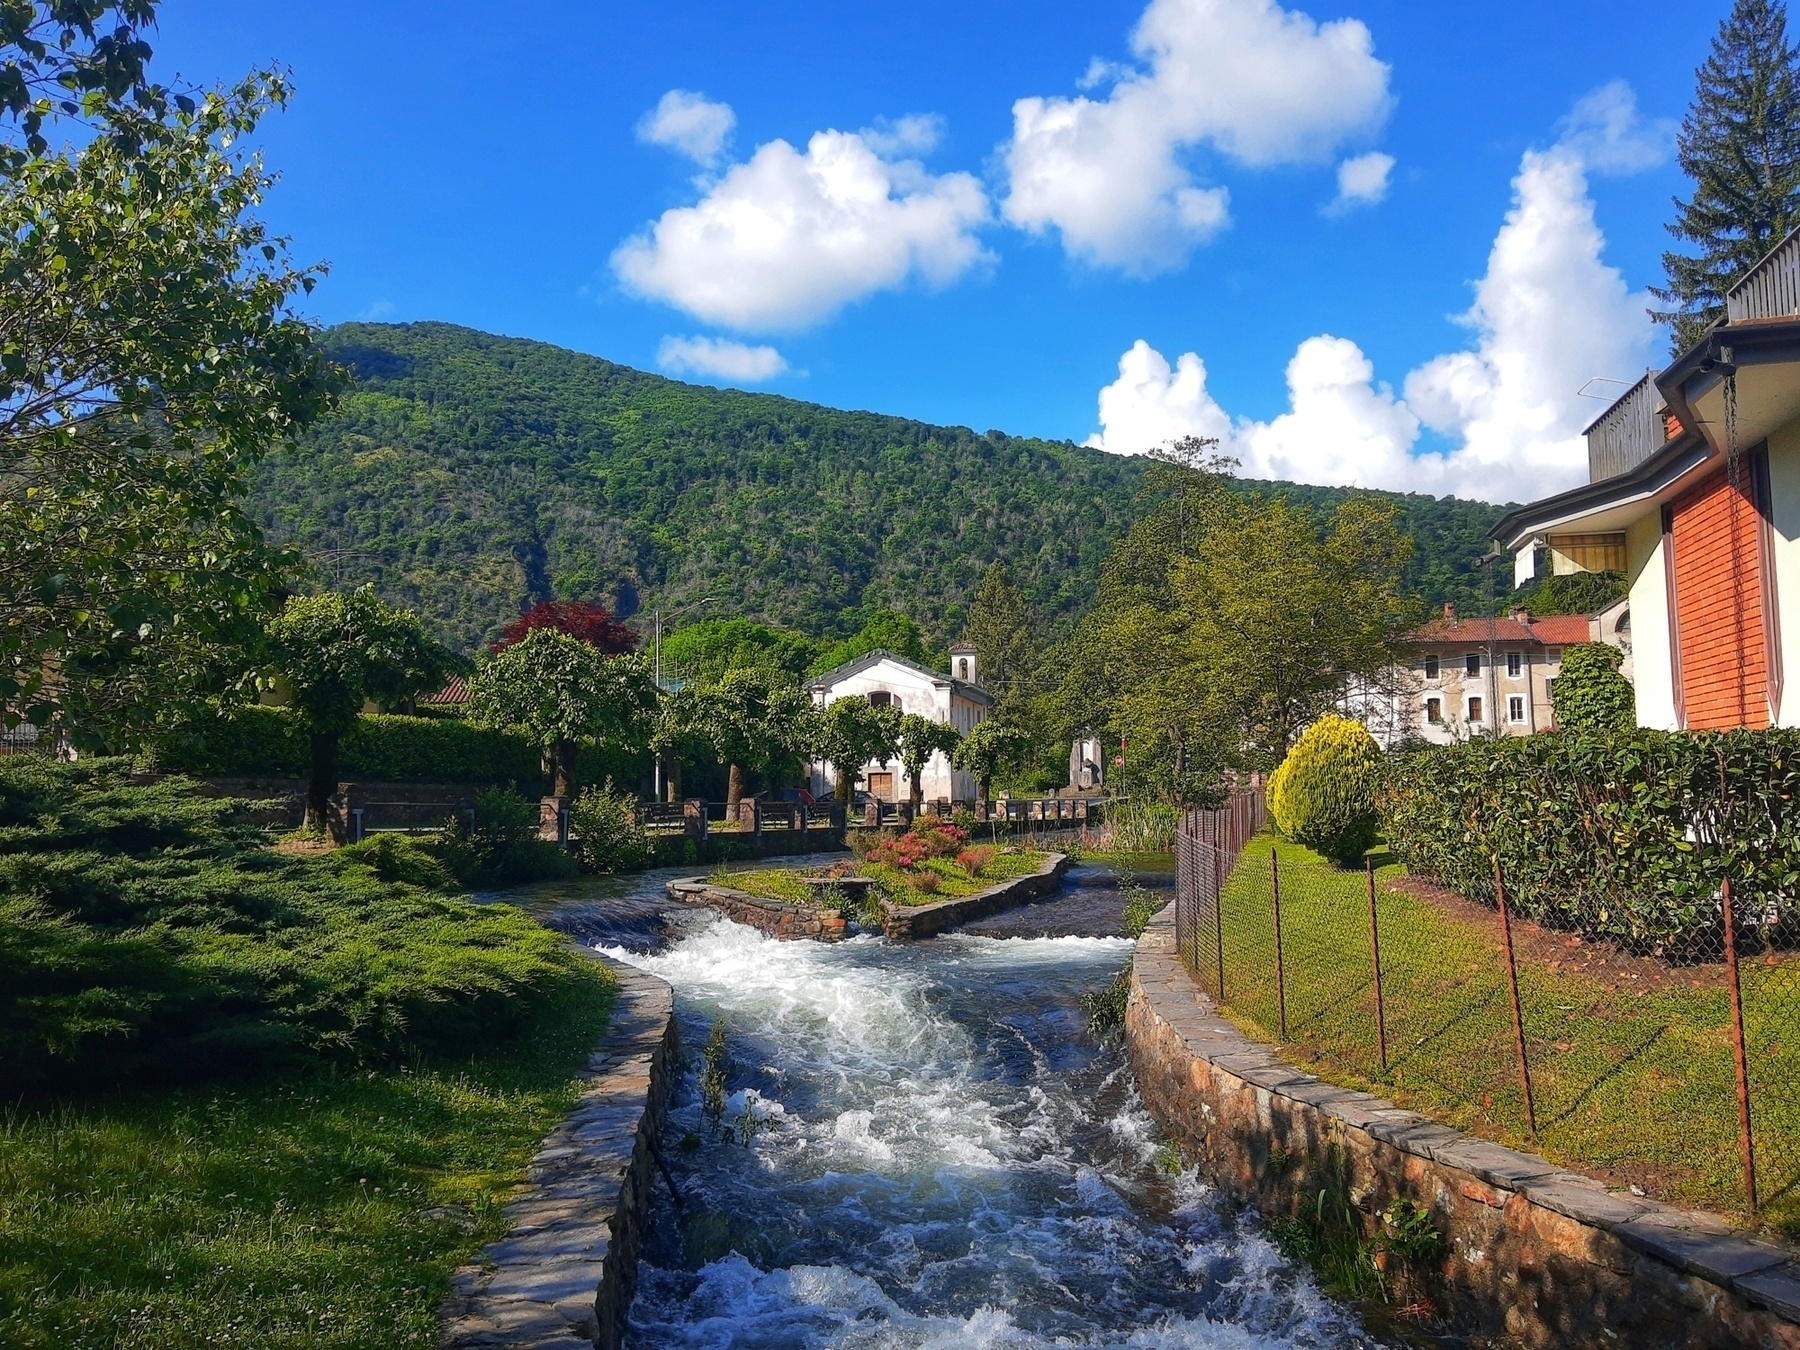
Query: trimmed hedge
{"x": 1622, "y": 835}
{"x": 1322, "y": 794}
{"x": 383, "y": 748}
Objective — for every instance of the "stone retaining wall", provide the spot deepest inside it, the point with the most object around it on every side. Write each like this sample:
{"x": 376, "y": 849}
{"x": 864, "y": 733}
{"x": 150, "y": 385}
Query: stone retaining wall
{"x": 568, "y": 1268}
{"x": 905, "y": 922}
{"x": 1534, "y": 1253}
{"x": 777, "y": 918}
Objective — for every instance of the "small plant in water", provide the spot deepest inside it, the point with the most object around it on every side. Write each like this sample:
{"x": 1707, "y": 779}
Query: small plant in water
{"x": 1168, "y": 1160}
{"x": 712, "y": 1078}
{"x": 1105, "y": 1008}
{"x": 1141, "y": 904}
{"x": 749, "y": 1124}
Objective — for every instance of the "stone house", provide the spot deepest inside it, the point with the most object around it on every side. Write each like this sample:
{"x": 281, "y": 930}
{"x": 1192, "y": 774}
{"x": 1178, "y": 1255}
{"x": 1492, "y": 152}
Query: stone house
{"x": 886, "y": 680}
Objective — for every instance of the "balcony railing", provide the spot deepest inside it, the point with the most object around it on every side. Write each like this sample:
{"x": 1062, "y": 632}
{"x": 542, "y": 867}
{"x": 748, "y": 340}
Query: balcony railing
{"x": 1626, "y": 434}
{"x": 1771, "y": 289}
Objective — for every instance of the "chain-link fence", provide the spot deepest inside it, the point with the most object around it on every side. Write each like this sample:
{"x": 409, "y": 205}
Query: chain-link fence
{"x": 1673, "y": 1071}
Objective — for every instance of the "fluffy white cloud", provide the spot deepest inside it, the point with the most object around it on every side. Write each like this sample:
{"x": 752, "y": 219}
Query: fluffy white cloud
{"x": 689, "y": 123}
{"x": 787, "y": 239}
{"x": 1362, "y": 181}
{"x": 1549, "y": 314}
{"x": 1251, "y": 80}
{"x": 720, "y": 358}
{"x": 1609, "y": 135}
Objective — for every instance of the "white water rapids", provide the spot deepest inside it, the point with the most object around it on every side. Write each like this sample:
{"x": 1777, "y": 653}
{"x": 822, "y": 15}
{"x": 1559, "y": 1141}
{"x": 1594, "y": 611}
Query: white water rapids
{"x": 950, "y": 1160}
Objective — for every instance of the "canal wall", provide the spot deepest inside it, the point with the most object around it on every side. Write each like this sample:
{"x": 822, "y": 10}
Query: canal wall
{"x": 777, "y": 918}
{"x": 1531, "y": 1252}
{"x": 567, "y": 1268}
{"x": 904, "y": 923}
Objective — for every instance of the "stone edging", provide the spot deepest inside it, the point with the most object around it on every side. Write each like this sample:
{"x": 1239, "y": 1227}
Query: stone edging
{"x": 777, "y": 918}
{"x": 905, "y": 922}
{"x": 568, "y": 1267}
{"x": 1534, "y": 1252}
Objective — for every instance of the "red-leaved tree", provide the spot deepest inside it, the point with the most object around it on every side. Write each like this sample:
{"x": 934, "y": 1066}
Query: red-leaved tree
{"x": 579, "y": 619}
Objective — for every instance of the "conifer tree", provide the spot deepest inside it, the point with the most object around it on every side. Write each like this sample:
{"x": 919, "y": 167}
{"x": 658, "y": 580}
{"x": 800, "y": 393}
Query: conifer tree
{"x": 1001, "y": 628}
{"x": 1740, "y": 144}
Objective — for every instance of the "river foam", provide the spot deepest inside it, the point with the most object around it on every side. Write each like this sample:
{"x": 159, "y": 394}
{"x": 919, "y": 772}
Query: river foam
{"x": 924, "y": 1147}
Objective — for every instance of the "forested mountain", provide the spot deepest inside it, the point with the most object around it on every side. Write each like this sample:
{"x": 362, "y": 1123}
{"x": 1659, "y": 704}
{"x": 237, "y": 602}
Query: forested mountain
{"x": 468, "y": 474}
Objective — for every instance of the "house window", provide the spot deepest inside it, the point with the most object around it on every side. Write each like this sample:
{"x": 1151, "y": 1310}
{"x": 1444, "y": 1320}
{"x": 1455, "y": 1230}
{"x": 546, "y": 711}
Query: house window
{"x": 1431, "y": 667}
{"x": 880, "y": 698}
{"x": 1474, "y": 710}
{"x": 1553, "y": 655}
{"x": 1515, "y": 709}
{"x": 1515, "y": 662}
{"x": 1550, "y": 691}
{"x": 1434, "y": 711}
{"x": 1472, "y": 664}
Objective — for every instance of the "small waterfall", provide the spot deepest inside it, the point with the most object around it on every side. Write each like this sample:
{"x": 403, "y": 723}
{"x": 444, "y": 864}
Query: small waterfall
{"x": 924, "y": 1147}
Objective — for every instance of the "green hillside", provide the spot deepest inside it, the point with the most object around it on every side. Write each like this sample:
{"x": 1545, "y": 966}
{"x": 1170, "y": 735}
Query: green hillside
{"x": 470, "y": 473}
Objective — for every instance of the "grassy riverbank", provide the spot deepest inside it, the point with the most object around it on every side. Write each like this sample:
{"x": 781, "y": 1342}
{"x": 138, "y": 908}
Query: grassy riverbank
{"x": 1630, "y": 1056}
{"x": 325, "y": 1208}
{"x": 900, "y": 879}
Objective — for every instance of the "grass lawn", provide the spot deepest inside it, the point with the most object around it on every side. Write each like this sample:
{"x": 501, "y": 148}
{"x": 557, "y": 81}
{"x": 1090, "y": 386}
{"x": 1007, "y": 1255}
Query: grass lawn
{"x": 890, "y": 883}
{"x": 324, "y": 1208}
{"x": 1631, "y": 1059}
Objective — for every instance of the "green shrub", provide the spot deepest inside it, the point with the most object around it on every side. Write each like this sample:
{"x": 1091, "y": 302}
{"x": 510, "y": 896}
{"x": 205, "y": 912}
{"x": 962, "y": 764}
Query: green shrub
{"x": 1323, "y": 794}
{"x": 499, "y": 845}
{"x": 1590, "y": 694}
{"x": 394, "y": 857}
{"x": 1624, "y": 835}
{"x": 604, "y": 833}
{"x": 144, "y": 929}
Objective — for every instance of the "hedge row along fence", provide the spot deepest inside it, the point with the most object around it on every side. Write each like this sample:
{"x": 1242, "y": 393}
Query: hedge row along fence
{"x": 264, "y": 741}
{"x": 1624, "y": 835}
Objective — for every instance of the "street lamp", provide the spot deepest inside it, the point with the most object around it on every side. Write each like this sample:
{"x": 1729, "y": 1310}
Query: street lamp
{"x": 656, "y": 624}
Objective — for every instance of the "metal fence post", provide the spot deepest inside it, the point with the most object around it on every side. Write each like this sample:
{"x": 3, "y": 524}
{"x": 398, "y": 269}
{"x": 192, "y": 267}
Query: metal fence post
{"x": 1280, "y": 971}
{"x": 1375, "y": 961}
{"x": 1746, "y": 1140}
{"x": 1518, "y": 1014}
{"x": 1218, "y": 896}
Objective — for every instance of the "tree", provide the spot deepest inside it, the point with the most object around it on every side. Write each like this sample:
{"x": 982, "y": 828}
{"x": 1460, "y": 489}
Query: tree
{"x": 579, "y": 619}
{"x": 990, "y": 748}
{"x": 150, "y": 358}
{"x": 1740, "y": 144}
{"x": 885, "y": 630}
{"x": 706, "y": 650}
{"x": 1004, "y": 634}
{"x": 752, "y": 721}
{"x": 1590, "y": 694}
{"x": 1577, "y": 593}
{"x": 920, "y": 739}
{"x": 336, "y": 652}
{"x": 563, "y": 694}
{"x": 848, "y": 733}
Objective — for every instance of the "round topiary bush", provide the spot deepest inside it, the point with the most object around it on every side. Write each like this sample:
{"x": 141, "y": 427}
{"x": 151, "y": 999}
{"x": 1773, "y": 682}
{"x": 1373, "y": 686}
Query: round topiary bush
{"x": 1323, "y": 794}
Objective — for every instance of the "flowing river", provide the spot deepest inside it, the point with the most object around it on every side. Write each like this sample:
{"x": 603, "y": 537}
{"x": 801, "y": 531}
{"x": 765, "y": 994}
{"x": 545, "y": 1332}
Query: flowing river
{"x": 923, "y": 1146}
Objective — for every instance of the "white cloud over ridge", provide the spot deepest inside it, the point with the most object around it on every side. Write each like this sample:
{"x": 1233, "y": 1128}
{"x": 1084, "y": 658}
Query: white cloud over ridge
{"x": 788, "y": 238}
{"x": 1549, "y": 314}
{"x": 1252, "y": 81}
{"x": 720, "y": 358}
{"x": 689, "y": 123}
{"x": 1362, "y": 181}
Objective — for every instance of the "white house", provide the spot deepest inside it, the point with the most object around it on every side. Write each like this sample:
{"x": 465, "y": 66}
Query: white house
{"x": 888, "y": 680}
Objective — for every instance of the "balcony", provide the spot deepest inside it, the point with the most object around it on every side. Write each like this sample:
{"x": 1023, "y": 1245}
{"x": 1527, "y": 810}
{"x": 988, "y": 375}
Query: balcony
{"x": 1771, "y": 289}
{"x": 1626, "y": 434}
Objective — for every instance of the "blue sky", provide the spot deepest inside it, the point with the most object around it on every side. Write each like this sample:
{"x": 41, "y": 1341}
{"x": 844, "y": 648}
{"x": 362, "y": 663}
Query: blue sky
{"x": 484, "y": 166}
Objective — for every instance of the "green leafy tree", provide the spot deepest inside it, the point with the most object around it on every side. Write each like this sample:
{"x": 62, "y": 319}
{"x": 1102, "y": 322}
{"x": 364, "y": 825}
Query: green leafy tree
{"x": 1740, "y": 144}
{"x": 992, "y": 747}
{"x": 563, "y": 694}
{"x": 1590, "y": 694}
{"x": 704, "y": 651}
{"x": 753, "y": 721}
{"x": 336, "y": 652}
{"x": 850, "y": 732}
{"x": 885, "y": 630}
{"x": 920, "y": 739}
{"x": 151, "y": 357}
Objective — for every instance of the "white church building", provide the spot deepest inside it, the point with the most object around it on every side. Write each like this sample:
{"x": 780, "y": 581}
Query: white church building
{"x": 886, "y": 680}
